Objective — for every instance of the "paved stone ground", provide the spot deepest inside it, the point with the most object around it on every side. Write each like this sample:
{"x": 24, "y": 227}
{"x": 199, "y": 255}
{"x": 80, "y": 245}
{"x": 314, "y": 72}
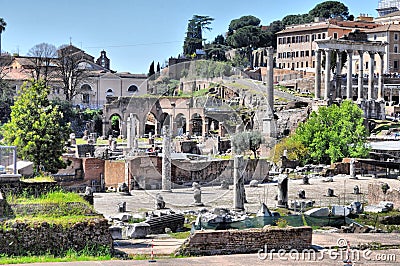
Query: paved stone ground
{"x": 182, "y": 199}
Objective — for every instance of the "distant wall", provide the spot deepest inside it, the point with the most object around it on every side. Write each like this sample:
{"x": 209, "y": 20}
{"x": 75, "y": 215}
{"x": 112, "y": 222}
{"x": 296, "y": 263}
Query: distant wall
{"x": 212, "y": 242}
{"x": 114, "y": 173}
{"x": 376, "y": 195}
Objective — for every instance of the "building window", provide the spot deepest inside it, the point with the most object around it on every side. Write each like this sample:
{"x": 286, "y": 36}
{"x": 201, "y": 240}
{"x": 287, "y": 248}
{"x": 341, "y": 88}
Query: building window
{"x": 307, "y": 53}
{"x": 319, "y": 36}
{"x": 109, "y": 92}
{"x": 133, "y": 89}
{"x": 312, "y": 37}
{"x": 335, "y": 35}
{"x": 396, "y": 48}
{"x": 375, "y": 37}
{"x": 288, "y": 39}
{"x": 395, "y": 64}
{"x": 396, "y": 36}
{"x": 85, "y": 98}
{"x": 306, "y": 63}
{"x": 366, "y": 65}
{"x": 323, "y": 36}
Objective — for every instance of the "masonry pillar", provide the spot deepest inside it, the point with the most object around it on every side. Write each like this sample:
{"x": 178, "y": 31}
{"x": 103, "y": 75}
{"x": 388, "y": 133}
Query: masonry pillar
{"x": 327, "y": 73}
{"x": 360, "y": 76}
{"x": 317, "y": 74}
{"x": 381, "y": 93}
{"x": 338, "y": 83}
{"x": 349, "y": 90}
{"x": 371, "y": 76}
{"x": 269, "y": 123}
{"x": 238, "y": 183}
{"x": 166, "y": 160}
{"x": 131, "y": 131}
{"x": 270, "y": 78}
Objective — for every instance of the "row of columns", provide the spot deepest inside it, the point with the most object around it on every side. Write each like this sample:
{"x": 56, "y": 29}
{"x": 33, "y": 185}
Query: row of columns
{"x": 349, "y": 85}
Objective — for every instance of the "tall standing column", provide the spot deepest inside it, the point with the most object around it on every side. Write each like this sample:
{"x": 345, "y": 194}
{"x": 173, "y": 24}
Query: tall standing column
{"x": 317, "y": 74}
{"x": 270, "y": 78}
{"x": 381, "y": 93}
{"x": 327, "y": 73}
{"x": 338, "y": 83}
{"x": 360, "y": 76}
{"x": 238, "y": 183}
{"x": 371, "y": 76}
{"x": 166, "y": 160}
{"x": 349, "y": 91}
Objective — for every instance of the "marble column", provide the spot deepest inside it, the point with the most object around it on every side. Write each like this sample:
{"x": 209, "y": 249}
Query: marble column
{"x": 317, "y": 74}
{"x": 327, "y": 74}
{"x": 270, "y": 78}
{"x": 338, "y": 83}
{"x": 131, "y": 131}
{"x": 238, "y": 183}
{"x": 349, "y": 90}
{"x": 371, "y": 76}
{"x": 381, "y": 93}
{"x": 166, "y": 160}
{"x": 360, "y": 76}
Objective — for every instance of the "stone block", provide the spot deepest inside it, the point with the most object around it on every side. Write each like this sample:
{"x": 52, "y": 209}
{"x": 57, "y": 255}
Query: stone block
{"x": 340, "y": 210}
{"x": 138, "y": 230}
{"x": 375, "y": 209}
{"x": 124, "y": 217}
{"x": 253, "y": 183}
{"x": 116, "y": 232}
{"x": 387, "y": 204}
{"x": 318, "y": 212}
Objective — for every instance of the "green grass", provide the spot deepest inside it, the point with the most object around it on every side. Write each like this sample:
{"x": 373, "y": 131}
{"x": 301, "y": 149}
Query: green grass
{"x": 38, "y": 179}
{"x": 56, "y": 197}
{"x": 180, "y": 235}
{"x": 64, "y": 214}
{"x": 71, "y": 255}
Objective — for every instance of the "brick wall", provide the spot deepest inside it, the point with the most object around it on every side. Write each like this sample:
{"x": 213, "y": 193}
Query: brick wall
{"x": 376, "y": 195}
{"x": 212, "y": 242}
{"x": 93, "y": 168}
{"x": 114, "y": 173}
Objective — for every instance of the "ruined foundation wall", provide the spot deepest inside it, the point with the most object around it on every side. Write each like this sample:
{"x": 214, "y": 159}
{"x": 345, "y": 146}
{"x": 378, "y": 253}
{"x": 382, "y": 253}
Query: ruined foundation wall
{"x": 19, "y": 238}
{"x": 212, "y": 242}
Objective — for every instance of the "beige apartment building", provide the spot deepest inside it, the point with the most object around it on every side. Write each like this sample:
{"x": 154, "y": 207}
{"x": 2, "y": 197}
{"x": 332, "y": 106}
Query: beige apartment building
{"x": 296, "y": 44}
{"x": 99, "y": 82}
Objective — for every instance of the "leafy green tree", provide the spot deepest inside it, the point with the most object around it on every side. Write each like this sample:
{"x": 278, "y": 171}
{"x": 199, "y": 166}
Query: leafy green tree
{"x": 194, "y": 35}
{"x": 35, "y": 128}
{"x": 295, "y": 150}
{"x": 335, "y": 132}
{"x": 248, "y": 140}
{"x": 330, "y": 9}
{"x": 3, "y": 25}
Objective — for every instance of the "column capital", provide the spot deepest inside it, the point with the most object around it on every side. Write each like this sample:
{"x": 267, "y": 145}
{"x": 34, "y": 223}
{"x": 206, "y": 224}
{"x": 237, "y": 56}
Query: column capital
{"x": 349, "y": 51}
{"x": 360, "y": 52}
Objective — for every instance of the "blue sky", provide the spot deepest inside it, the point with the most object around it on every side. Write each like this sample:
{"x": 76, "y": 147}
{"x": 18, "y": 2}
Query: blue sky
{"x": 132, "y": 32}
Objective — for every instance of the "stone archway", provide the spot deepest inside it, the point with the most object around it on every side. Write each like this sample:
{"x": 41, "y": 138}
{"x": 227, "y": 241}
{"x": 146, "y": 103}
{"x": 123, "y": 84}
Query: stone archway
{"x": 180, "y": 123}
{"x": 116, "y": 125}
{"x": 196, "y": 124}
